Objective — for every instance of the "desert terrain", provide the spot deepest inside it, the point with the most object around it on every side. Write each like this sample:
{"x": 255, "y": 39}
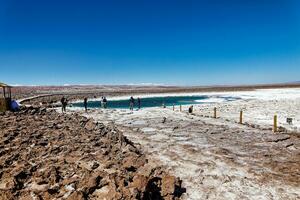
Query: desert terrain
{"x": 220, "y": 158}
{"x": 155, "y": 152}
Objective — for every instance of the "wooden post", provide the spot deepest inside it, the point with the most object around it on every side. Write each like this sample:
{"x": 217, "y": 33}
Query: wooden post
{"x": 241, "y": 117}
{"x": 4, "y": 93}
{"x": 275, "y": 124}
{"x": 173, "y": 107}
{"x": 9, "y": 92}
{"x": 180, "y": 108}
{"x": 215, "y": 112}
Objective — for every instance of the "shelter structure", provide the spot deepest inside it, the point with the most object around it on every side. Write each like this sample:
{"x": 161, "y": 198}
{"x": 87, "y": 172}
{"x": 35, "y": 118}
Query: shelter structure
{"x": 5, "y": 97}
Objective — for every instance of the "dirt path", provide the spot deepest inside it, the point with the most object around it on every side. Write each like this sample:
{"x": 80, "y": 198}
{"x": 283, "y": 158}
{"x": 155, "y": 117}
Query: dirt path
{"x": 216, "y": 160}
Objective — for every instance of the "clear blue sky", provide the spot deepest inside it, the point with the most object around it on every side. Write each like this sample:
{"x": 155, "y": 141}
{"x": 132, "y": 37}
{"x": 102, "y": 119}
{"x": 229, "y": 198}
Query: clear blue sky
{"x": 187, "y": 42}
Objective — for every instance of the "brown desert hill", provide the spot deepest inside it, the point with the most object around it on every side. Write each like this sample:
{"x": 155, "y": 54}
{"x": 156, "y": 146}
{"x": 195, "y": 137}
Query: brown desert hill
{"x": 46, "y": 155}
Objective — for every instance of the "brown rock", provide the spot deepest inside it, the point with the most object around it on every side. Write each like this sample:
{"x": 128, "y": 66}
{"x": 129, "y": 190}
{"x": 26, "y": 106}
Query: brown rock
{"x": 7, "y": 183}
{"x": 76, "y": 196}
{"x": 6, "y": 195}
{"x": 168, "y": 185}
{"x": 139, "y": 182}
{"x": 90, "y": 183}
{"x": 90, "y": 125}
{"x": 132, "y": 162}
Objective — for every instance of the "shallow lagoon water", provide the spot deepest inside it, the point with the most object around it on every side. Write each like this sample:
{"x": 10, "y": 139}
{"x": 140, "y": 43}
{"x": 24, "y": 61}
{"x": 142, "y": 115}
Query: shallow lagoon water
{"x": 160, "y": 101}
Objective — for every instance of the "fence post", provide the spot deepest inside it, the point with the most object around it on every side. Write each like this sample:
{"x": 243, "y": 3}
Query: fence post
{"x": 241, "y": 117}
{"x": 180, "y": 108}
{"x": 275, "y": 124}
{"x": 215, "y": 112}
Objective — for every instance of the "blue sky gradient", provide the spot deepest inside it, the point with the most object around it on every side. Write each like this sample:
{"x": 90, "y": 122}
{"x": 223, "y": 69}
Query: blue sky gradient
{"x": 187, "y": 42}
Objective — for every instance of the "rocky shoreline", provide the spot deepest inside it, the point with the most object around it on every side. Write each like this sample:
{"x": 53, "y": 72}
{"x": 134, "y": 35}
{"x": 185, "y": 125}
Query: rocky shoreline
{"x": 47, "y": 155}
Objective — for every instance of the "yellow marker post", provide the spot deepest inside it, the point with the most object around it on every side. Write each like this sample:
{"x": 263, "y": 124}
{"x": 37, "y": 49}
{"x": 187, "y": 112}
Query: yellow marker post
{"x": 275, "y": 124}
{"x": 180, "y": 108}
{"x": 215, "y": 112}
{"x": 241, "y": 117}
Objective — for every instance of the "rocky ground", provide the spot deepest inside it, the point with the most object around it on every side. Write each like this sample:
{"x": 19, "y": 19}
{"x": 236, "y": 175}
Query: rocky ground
{"x": 215, "y": 158}
{"x": 46, "y": 155}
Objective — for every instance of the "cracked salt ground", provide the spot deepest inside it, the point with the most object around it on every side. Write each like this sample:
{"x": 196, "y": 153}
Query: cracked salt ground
{"x": 216, "y": 160}
{"x": 146, "y": 130}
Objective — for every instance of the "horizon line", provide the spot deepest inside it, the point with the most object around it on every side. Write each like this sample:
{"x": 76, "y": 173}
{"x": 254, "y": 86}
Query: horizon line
{"x": 155, "y": 85}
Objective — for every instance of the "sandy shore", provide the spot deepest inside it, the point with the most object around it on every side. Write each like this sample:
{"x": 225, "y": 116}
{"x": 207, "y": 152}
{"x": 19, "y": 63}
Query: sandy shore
{"x": 219, "y": 158}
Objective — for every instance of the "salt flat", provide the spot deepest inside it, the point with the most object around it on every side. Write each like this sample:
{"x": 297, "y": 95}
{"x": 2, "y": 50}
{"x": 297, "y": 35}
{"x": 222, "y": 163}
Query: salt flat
{"x": 219, "y": 158}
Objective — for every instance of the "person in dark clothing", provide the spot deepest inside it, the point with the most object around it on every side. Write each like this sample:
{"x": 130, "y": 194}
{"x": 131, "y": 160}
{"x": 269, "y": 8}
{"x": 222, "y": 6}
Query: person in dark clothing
{"x": 101, "y": 102}
{"x": 63, "y": 102}
{"x": 131, "y": 103}
{"x": 139, "y": 102}
{"x": 191, "y": 109}
{"x": 85, "y": 104}
{"x": 104, "y": 102}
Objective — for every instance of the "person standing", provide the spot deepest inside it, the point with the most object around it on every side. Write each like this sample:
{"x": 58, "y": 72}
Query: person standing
{"x": 131, "y": 103}
{"x": 85, "y": 104}
{"x": 104, "y": 102}
{"x": 191, "y": 109}
{"x": 65, "y": 104}
{"x": 139, "y": 103}
{"x": 101, "y": 102}
{"x": 63, "y": 101}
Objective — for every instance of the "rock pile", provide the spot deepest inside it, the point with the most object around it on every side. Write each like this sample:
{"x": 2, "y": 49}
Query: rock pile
{"x": 46, "y": 155}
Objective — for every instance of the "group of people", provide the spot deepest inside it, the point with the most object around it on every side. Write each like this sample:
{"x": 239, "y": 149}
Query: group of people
{"x": 103, "y": 103}
{"x": 132, "y": 103}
